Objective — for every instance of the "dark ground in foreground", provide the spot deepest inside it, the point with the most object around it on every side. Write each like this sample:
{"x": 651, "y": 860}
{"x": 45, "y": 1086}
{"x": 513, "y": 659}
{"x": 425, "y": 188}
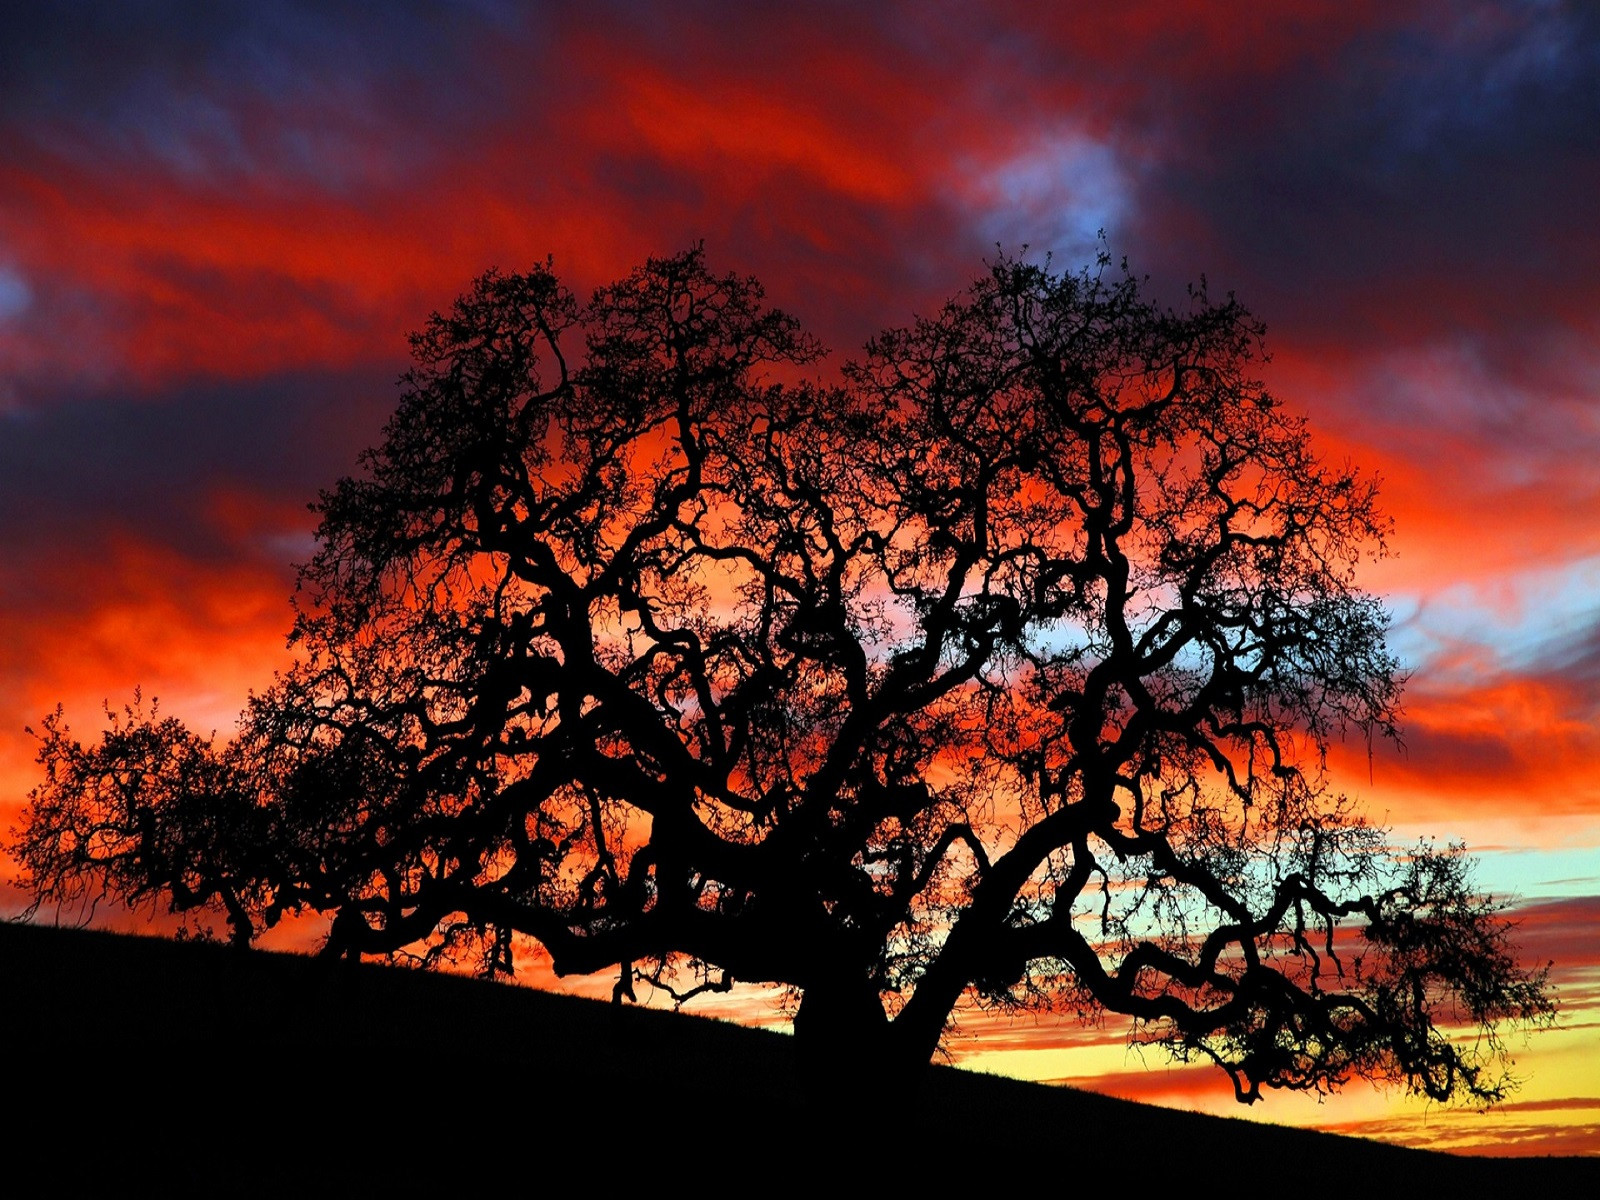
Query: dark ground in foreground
{"x": 144, "y": 1064}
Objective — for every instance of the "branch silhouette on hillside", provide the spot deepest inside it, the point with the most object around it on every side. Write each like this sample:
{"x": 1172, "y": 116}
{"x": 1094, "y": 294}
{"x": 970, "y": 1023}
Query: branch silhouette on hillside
{"x": 1000, "y": 671}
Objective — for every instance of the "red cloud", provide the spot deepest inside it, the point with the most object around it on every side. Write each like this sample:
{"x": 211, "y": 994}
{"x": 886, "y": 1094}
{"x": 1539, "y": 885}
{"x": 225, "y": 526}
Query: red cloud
{"x": 1508, "y": 746}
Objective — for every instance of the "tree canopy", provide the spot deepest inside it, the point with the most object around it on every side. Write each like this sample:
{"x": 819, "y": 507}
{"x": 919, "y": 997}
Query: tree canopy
{"x": 1000, "y": 670}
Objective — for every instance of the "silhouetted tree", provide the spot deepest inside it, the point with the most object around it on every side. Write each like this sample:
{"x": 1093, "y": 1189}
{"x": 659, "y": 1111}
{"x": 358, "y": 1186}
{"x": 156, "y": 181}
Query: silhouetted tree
{"x": 1003, "y": 670}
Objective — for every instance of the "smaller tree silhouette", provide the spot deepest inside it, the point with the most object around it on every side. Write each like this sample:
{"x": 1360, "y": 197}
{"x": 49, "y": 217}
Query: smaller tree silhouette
{"x": 1003, "y": 671}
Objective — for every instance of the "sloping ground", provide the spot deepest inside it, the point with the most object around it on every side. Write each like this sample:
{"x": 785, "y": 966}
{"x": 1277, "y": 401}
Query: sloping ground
{"x": 195, "y": 1069}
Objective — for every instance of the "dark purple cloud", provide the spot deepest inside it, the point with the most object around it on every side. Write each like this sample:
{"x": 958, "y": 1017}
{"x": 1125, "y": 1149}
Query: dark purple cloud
{"x": 144, "y": 467}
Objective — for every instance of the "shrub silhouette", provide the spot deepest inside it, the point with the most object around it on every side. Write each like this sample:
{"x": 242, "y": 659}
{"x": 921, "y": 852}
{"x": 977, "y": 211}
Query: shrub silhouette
{"x": 1001, "y": 671}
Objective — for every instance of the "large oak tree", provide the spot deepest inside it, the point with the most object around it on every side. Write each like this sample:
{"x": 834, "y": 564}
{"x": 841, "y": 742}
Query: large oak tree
{"x": 1002, "y": 670}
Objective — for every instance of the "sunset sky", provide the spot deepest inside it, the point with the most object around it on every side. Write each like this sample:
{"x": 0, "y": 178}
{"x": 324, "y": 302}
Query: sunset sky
{"x": 219, "y": 221}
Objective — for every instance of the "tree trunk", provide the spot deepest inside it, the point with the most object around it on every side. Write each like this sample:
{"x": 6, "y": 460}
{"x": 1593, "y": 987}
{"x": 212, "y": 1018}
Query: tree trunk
{"x": 851, "y": 1057}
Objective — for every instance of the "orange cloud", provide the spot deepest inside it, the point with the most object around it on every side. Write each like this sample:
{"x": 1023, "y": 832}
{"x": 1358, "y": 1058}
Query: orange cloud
{"x": 1506, "y": 747}
{"x": 195, "y": 637}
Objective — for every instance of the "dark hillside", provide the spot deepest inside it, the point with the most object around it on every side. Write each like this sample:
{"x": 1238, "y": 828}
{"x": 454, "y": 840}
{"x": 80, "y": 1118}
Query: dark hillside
{"x": 195, "y": 1068}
